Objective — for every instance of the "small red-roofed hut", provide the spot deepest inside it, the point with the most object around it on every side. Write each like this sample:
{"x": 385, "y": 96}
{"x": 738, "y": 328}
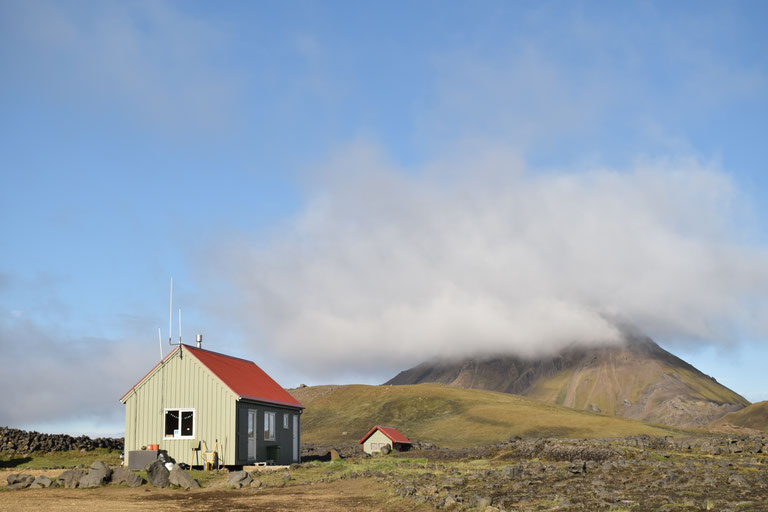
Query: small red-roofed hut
{"x": 379, "y": 436}
{"x": 195, "y": 395}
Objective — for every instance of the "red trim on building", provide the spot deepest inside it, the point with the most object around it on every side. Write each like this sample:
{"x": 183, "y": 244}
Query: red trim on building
{"x": 243, "y": 377}
{"x": 391, "y": 433}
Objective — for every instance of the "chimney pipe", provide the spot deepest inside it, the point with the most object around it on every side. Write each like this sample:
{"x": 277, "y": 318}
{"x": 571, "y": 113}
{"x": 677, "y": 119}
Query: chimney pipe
{"x": 199, "y": 341}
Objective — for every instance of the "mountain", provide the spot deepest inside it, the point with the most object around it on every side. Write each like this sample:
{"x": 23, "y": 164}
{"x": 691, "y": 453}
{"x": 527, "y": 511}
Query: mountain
{"x": 637, "y": 380}
{"x": 752, "y": 418}
{"x": 449, "y": 417}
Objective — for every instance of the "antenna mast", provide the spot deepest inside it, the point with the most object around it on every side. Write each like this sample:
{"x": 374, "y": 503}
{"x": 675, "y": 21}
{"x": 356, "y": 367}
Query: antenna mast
{"x": 170, "y": 317}
{"x": 179, "y": 326}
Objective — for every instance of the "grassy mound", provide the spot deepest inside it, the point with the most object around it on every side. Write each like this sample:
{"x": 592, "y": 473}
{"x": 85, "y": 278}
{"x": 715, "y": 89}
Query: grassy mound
{"x": 754, "y": 417}
{"x": 450, "y": 417}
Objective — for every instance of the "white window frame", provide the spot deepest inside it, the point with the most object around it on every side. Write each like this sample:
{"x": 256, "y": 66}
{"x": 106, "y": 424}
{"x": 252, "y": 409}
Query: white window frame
{"x": 269, "y": 419}
{"x": 181, "y": 411}
{"x": 286, "y": 420}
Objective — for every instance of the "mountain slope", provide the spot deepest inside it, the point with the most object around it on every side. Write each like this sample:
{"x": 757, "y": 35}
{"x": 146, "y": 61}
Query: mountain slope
{"x": 754, "y": 417}
{"x": 638, "y": 380}
{"x": 450, "y": 417}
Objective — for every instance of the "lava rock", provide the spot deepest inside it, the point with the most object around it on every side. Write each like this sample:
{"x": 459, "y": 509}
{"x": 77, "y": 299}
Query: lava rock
{"x": 70, "y": 479}
{"x": 158, "y": 475}
{"x": 238, "y": 479}
{"x": 41, "y": 482}
{"x": 126, "y": 477}
{"x": 98, "y": 475}
{"x": 19, "y": 481}
{"x": 738, "y": 480}
{"x": 20, "y": 441}
{"x": 181, "y": 478}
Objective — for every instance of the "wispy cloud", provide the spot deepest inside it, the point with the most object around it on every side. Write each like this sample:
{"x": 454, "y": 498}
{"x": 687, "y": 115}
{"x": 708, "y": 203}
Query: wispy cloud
{"x": 143, "y": 59}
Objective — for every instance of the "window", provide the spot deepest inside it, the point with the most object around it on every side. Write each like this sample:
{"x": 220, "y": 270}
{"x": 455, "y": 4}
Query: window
{"x": 286, "y": 423}
{"x": 179, "y": 423}
{"x": 269, "y": 426}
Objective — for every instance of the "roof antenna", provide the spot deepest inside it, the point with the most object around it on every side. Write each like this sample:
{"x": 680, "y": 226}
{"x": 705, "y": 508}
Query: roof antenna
{"x": 170, "y": 318}
{"x": 179, "y": 326}
{"x": 170, "y": 323}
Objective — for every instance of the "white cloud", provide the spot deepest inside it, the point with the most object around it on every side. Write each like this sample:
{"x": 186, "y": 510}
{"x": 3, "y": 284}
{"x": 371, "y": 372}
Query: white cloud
{"x": 51, "y": 378}
{"x": 385, "y": 268}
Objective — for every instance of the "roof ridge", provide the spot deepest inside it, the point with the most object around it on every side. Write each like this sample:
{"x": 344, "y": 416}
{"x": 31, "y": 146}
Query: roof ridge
{"x": 218, "y": 353}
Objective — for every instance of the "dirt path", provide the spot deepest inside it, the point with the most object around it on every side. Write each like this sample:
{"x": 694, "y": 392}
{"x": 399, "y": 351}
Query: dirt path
{"x": 361, "y": 494}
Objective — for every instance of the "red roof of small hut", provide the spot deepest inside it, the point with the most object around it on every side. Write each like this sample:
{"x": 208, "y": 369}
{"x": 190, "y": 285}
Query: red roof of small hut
{"x": 390, "y": 432}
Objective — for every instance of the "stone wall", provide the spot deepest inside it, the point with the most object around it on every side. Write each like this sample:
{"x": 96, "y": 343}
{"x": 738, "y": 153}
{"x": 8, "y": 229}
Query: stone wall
{"x": 13, "y": 440}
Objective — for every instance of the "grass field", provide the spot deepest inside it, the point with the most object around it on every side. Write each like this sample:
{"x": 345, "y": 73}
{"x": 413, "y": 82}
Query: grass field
{"x": 70, "y": 459}
{"x": 754, "y": 417}
{"x": 450, "y": 417}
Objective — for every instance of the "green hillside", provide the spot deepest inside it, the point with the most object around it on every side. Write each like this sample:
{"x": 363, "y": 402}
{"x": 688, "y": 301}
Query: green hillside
{"x": 448, "y": 416}
{"x": 754, "y": 417}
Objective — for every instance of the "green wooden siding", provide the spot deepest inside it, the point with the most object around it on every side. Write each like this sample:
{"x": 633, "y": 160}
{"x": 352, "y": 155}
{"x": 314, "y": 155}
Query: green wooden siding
{"x": 181, "y": 383}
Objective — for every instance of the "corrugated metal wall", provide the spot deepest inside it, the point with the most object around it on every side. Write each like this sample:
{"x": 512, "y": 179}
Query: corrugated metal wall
{"x": 185, "y": 384}
{"x": 283, "y": 436}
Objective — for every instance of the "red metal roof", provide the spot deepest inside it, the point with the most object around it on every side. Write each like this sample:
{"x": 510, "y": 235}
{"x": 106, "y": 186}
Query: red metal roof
{"x": 390, "y": 432}
{"x": 243, "y": 377}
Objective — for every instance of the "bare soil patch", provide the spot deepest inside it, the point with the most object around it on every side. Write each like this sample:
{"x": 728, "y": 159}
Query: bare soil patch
{"x": 361, "y": 494}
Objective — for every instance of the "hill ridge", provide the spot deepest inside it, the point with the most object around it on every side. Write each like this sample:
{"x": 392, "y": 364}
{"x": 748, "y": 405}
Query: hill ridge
{"x": 638, "y": 380}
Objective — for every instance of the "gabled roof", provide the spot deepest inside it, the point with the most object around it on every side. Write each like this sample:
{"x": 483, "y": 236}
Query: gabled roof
{"x": 244, "y": 378}
{"x": 390, "y": 432}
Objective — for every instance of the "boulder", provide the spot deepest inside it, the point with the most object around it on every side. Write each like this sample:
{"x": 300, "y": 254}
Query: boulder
{"x": 515, "y": 471}
{"x": 158, "y": 474}
{"x": 127, "y": 477}
{"x": 98, "y": 475}
{"x": 181, "y": 478}
{"x": 480, "y": 502}
{"x": 238, "y": 479}
{"x": 737, "y": 480}
{"x": 70, "y": 478}
{"x": 385, "y": 449}
{"x": 19, "y": 481}
{"x": 334, "y": 454}
{"x": 577, "y": 467}
{"x": 41, "y": 482}
{"x": 452, "y": 482}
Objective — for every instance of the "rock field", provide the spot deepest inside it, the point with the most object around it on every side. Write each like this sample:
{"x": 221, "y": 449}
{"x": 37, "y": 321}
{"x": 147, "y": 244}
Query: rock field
{"x": 637, "y": 473}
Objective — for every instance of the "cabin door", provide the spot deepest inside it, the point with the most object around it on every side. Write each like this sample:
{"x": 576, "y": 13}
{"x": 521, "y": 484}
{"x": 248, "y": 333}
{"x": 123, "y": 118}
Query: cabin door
{"x": 295, "y": 438}
{"x": 252, "y": 434}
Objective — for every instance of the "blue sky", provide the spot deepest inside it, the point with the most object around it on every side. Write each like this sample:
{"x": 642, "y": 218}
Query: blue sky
{"x": 318, "y": 177}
